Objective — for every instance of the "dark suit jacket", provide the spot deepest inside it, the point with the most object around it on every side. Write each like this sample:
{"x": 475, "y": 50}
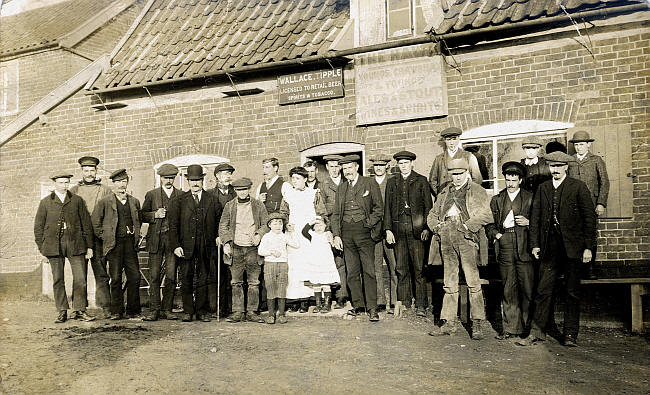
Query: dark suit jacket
{"x": 77, "y": 220}
{"x": 182, "y": 228}
{"x": 153, "y": 200}
{"x": 105, "y": 221}
{"x": 576, "y": 216}
{"x": 521, "y": 206}
{"x": 419, "y": 199}
{"x": 368, "y": 194}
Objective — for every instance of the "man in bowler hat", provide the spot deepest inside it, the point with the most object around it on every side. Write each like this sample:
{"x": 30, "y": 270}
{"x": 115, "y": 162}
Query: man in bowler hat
{"x": 590, "y": 169}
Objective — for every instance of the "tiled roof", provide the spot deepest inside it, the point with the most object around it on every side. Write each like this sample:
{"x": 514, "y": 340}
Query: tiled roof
{"x": 186, "y": 38}
{"x": 474, "y": 14}
{"x": 42, "y": 26}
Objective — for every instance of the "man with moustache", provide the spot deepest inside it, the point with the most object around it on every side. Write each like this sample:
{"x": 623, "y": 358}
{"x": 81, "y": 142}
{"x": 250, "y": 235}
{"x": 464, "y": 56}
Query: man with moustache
{"x": 356, "y": 225}
{"x": 328, "y": 191}
{"x": 511, "y": 213}
{"x": 312, "y": 181}
{"x": 154, "y": 212}
{"x": 536, "y": 168}
{"x": 562, "y": 236}
{"x": 224, "y": 192}
{"x": 408, "y": 202}
{"x": 439, "y": 176}
{"x": 91, "y": 190}
{"x": 62, "y": 229}
{"x": 193, "y": 224}
{"x": 386, "y": 293}
{"x": 116, "y": 220}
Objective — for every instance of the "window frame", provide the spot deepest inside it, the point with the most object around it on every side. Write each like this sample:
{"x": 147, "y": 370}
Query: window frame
{"x": 413, "y": 9}
{"x": 9, "y": 69}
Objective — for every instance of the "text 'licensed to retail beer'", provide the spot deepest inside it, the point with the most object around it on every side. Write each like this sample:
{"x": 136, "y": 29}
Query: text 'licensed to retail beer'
{"x": 311, "y": 85}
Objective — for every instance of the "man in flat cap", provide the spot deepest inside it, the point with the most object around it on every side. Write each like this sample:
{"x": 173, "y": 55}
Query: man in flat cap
{"x": 224, "y": 192}
{"x": 458, "y": 216}
{"x": 408, "y": 202}
{"x": 356, "y": 225}
{"x": 312, "y": 181}
{"x": 562, "y": 236}
{"x": 193, "y": 224}
{"x": 116, "y": 220}
{"x": 386, "y": 293}
{"x": 590, "y": 169}
{"x": 62, "y": 229}
{"x": 91, "y": 190}
{"x": 439, "y": 176}
{"x": 328, "y": 191}
{"x": 509, "y": 232}
{"x": 536, "y": 168}
{"x": 154, "y": 212}
{"x": 243, "y": 223}
{"x": 271, "y": 190}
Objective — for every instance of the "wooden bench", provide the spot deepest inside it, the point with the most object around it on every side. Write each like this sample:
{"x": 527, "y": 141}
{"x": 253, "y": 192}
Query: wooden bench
{"x": 638, "y": 288}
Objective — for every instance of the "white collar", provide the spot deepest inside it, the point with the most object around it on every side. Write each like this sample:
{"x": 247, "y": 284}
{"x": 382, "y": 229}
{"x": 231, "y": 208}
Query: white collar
{"x": 513, "y": 195}
{"x": 169, "y": 191}
{"x": 311, "y": 184}
{"x": 452, "y": 153}
{"x": 464, "y": 183}
{"x": 405, "y": 176}
{"x": 581, "y": 157}
{"x": 530, "y": 162}
{"x": 61, "y": 196}
{"x": 198, "y": 194}
{"x": 336, "y": 180}
{"x": 380, "y": 179}
{"x": 557, "y": 183}
{"x": 120, "y": 199}
{"x": 354, "y": 182}
{"x": 271, "y": 181}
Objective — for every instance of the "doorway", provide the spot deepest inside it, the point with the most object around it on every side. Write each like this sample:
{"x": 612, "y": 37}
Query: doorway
{"x": 317, "y": 153}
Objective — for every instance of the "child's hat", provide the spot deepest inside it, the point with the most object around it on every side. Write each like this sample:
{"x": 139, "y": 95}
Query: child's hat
{"x": 277, "y": 215}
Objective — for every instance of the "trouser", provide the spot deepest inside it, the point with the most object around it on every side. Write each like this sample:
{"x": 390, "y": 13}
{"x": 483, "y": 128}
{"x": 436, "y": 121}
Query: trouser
{"x": 102, "y": 284}
{"x": 409, "y": 248}
{"x": 458, "y": 251}
{"x": 359, "y": 251}
{"x": 194, "y": 283}
{"x": 79, "y": 268}
{"x": 223, "y": 278}
{"x": 386, "y": 290}
{"x": 244, "y": 260}
{"x": 124, "y": 257}
{"x": 553, "y": 263}
{"x": 517, "y": 277}
{"x": 155, "y": 267}
{"x": 342, "y": 291}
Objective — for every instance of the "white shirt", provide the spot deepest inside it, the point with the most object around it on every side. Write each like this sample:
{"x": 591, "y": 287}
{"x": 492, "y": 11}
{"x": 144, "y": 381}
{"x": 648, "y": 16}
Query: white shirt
{"x": 513, "y": 195}
{"x": 168, "y": 191}
{"x": 530, "y": 162}
{"x": 119, "y": 198}
{"x": 198, "y": 194}
{"x": 557, "y": 183}
{"x": 452, "y": 153}
{"x": 354, "y": 182}
{"x": 336, "y": 180}
{"x": 405, "y": 176}
{"x": 269, "y": 184}
{"x": 61, "y": 196}
{"x": 380, "y": 179}
{"x": 310, "y": 184}
{"x": 509, "y": 222}
{"x": 581, "y": 157}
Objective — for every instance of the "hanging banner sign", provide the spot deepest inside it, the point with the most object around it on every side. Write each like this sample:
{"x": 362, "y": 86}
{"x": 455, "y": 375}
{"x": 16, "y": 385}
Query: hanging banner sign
{"x": 310, "y": 85}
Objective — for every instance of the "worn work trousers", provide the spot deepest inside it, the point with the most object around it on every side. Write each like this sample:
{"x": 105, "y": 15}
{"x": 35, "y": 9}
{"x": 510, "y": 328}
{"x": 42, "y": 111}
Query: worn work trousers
{"x": 102, "y": 279}
{"x": 124, "y": 257}
{"x": 410, "y": 259}
{"x": 359, "y": 250}
{"x": 458, "y": 251}
{"x": 244, "y": 260}
{"x": 194, "y": 283}
{"x": 79, "y": 268}
{"x": 517, "y": 277}
{"x": 386, "y": 290}
{"x": 554, "y": 263}
{"x": 155, "y": 271}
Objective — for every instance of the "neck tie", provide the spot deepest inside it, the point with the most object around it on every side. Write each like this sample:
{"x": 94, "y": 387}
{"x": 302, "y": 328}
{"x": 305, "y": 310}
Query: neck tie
{"x": 196, "y": 198}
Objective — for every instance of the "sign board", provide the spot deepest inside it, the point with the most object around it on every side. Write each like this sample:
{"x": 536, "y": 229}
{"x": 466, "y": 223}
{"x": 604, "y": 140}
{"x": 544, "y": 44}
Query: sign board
{"x": 310, "y": 85}
{"x": 400, "y": 84}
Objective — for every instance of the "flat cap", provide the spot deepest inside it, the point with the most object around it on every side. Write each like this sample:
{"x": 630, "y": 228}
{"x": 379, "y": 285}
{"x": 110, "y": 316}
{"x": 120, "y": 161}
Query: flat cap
{"x": 531, "y": 141}
{"x": 88, "y": 161}
{"x": 404, "y": 155}
{"x": 60, "y": 175}
{"x": 277, "y": 215}
{"x": 242, "y": 183}
{"x": 451, "y": 131}
{"x": 118, "y": 175}
{"x": 514, "y": 168}
{"x": 380, "y": 159}
{"x": 328, "y": 158}
{"x": 580, "y": 136}
{"x": 349, "y": 159}
{"x": 559, "y": 157}
{"x": 457, "y": 164}
{"x": 167, "y": 170}
{"x": 223, "y": 167}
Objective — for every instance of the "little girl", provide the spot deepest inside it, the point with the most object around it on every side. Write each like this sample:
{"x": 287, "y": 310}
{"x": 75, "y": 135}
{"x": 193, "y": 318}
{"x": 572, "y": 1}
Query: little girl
{"x": 322, "y": 270}
{"x": 273, "y": 248}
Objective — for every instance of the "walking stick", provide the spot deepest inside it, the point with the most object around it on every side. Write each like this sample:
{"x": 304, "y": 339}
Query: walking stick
{"x": 218, "y": 280}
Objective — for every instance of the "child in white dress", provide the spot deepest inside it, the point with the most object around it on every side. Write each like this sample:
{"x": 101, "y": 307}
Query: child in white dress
{"x": 322, "y": 269}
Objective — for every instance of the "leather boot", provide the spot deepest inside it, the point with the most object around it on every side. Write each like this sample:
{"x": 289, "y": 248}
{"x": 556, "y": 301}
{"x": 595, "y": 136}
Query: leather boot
{"x": 319, "y": 302}
{"x": 327, "y": 304}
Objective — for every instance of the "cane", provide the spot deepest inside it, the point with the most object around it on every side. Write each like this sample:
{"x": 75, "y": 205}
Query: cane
{"x": 218, "y": 280}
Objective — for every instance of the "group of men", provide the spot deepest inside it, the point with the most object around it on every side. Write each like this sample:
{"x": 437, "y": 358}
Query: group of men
{"x": 541, "y": 216}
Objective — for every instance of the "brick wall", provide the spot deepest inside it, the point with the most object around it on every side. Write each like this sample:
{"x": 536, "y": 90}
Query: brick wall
{"x": 542, "y": 83}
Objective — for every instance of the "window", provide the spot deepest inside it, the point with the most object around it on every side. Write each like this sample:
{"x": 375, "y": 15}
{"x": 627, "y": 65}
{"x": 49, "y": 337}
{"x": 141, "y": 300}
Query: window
{"x": 9, "y": 88}
{"x": 404, "y": 18}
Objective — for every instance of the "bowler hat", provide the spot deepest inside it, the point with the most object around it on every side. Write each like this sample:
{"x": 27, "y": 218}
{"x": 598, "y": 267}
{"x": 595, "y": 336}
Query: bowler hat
{"x": 580, "y": 136}
{"x": 380, "y": 160}
{"x": 118, "y": 175}
{"x": 224, "y": 167}
{"x": 349, "y": 159}
{"x": 404, "y": 155}
{"x": 457, "y": 164}
{"x": 559, "y": 157}
{"x": 514, "y": 168}
{"x": 60, "y": 175}
{"x": 531, "y": 141}
{"x": 195, "y": 172}
{"x": 451, "y": 131}
{"x": 277, "y": 215}
{"x": 167, "y": 170}
{"x": 242, "y": 183}
{"x": 88, "y": 161}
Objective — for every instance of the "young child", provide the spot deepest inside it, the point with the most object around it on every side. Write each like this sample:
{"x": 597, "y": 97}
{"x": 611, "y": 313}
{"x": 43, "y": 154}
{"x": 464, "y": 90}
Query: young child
{"x": 273, "y": 248}
{"x": 323, "y": 272}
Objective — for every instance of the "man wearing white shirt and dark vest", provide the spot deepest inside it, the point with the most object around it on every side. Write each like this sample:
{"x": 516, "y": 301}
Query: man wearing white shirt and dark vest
{"x": 62, "y": 229}
{"x": 154, "y": 212}
{"x": 536, "y": 168}
{"x": 270, "y": 191}
{"x": 312, "y": 181}
{"x": 511, "y": 214}
{"x": 438, "y": 176}
{"x": 116, "y": 220}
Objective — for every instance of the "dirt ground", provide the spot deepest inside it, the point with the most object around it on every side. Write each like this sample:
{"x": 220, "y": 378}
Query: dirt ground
{"x": 307, "y": 355}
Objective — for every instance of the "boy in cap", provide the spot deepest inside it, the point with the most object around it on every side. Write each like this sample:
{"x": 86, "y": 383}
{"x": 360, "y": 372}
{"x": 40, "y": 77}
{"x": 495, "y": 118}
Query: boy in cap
{"x": 91, "y": 190}
{"x": 62, "y": 229}
{"x": 116, "y": 220}
{"x": 154, "y": 212}
{"x": 509, "y": 232}
{"x": 536, "y": 168}
{"x": 243, "y": 223}
{"x": 458, "y": 216}
{"x": 408, "y": 202}
{"x": 438, "y": 176}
